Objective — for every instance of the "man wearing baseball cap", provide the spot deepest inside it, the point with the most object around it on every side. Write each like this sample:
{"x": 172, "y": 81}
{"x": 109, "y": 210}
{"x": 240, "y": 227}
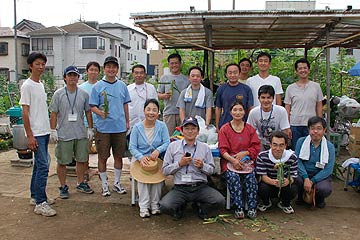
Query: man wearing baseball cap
{"x": 109, "y": 101}
{"x": 190, "y": 162}
{"x": 67, "y": 108}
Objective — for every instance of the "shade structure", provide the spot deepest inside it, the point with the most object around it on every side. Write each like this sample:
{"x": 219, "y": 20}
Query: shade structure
{"x": 355, "y": 70}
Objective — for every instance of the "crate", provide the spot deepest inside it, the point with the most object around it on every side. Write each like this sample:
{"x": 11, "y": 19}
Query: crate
{"x": 354, "y": 146}
{"x": 15, "y": 114}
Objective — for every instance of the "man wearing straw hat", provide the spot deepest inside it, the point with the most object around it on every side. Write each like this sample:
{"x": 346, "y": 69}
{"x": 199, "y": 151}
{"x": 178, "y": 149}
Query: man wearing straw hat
{"x": 190, "y": 161}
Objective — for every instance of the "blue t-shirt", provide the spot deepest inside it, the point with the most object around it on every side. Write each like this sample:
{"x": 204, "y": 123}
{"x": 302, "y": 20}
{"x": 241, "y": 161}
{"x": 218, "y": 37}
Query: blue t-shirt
{"x": 118, "y": 95}
{"x": 226, "y": 95}
{"x": 88, "y": 87}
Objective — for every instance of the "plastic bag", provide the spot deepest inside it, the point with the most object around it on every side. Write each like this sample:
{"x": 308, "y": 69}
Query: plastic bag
{"x": 206, "y": 135}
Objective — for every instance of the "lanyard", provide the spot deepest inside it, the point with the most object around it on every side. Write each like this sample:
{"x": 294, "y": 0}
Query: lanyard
{"x": 192, "y": 156}
{"x": 265, "y": 122}
{"x": 73, "y": 105}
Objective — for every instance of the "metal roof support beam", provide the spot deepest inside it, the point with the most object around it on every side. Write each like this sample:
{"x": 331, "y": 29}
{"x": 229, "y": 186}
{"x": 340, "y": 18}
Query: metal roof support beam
{"x": 208, "y": 34}
{"x": 328, "y": 84}
{"x": 342, "y": 40}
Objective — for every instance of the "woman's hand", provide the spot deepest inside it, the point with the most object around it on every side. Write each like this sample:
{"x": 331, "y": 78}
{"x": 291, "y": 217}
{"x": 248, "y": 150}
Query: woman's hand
{"x": 155, "y": 154}
{"x": 237, "y": 164}
{"x": 144, "y": 161}
{"x": 240, "y": 155}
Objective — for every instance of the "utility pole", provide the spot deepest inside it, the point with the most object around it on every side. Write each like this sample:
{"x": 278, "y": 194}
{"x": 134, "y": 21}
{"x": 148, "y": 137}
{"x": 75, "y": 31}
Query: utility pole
{"x": 233, "y": 5}
{"x": 15, "y": 40}
{"x": 209, "y": 5}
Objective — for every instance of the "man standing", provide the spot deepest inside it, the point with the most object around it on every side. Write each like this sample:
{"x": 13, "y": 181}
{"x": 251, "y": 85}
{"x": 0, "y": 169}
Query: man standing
{"x": 67, "y": 108}
{"x": 169, "y": 89}
{"x": 303, "y": 99}
{"x": 196, "y": 99}
{"x": 230, "y": 92}
{"x": 316, "y": 162}
{"x": 268, "y": 117}
{"x": 190, "y": 161}
{"x": 37, "y": 127}
{"x": 139, "y": 92}
{"x": 245, "y": 68}
{"x": 109, "y": 101}
{"x": 264, "y": 62}
{"x": 268, "y": 164}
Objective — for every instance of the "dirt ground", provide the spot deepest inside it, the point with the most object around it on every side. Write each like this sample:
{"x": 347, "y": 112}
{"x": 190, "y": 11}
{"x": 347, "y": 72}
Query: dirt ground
{"x": 95, "y": 217}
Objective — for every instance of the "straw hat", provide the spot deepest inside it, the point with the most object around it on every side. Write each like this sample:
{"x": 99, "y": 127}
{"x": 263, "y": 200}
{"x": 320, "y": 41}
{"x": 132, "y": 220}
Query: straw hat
{"x": 309, "y": 197}
{"x": 151, "y": 173}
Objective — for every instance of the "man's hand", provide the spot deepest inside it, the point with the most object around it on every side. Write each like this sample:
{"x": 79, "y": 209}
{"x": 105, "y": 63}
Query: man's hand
{"x": 32, "y": 143}
{"x": 198, "y": 163}
{"x": 90, "y": 133}
{"x": 285, "y": 182}
{"x": 53, "y": 136}
{"x": 184, "y": 161}
{"x": 308, "y": 185}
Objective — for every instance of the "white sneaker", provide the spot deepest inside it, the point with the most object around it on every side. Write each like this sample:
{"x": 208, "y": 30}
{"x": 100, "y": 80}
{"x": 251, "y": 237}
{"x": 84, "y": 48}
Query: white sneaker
{"x": 105, "y": 191}
{"x": 144, "y": 213}
{"x": 155, "y": 212}
{"x": 44, "y": 209}
{"x": 288, "y": 210}
{"x": 50, "y": 201}
{"x": 118, "y": 188}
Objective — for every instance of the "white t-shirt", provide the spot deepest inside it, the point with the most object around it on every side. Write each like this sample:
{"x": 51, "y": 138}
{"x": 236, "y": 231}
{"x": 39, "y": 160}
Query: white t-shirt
{"x": 33, "y": 95}
{"x": 139, "y": 94}
{"x": 267, "y": 122}
{"x": 256, "y": 82}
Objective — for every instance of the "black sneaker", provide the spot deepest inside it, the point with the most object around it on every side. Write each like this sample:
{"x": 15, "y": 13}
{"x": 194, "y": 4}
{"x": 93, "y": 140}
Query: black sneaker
{"x": 321, "y": 205}
{"x": 64, "y": 192}
{"x": 177, "y": 214}
{"x": 84, "y": 188}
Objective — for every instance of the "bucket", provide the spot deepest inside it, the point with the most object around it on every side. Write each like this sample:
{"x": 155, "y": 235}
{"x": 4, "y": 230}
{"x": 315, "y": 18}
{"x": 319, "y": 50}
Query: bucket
{"x": 19, "y": 138}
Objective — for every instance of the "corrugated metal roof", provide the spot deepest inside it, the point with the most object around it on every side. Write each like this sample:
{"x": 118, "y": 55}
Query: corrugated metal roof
{"x": 251, "y": 29}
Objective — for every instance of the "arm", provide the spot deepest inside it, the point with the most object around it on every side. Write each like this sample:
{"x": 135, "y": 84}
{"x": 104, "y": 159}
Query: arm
{"x": 99, "y": 112}
{"x": 270, "y": 181}
{"x": 288, "y": 109}
{"x": 127, "y": 118}
{"x": 319, "y": 109}
{"x": 53, "y": 120}
{"x": 208, "y": 113}
{"x": 182, "y": 114}
{"x": 207, "y": 165}
{"x": 89, "y": 118}
{"x": 170, "y": 167}
{"x": 133, "y": 144}
{"x": 217, "y": 117}
{"x": 32, "y": 143}
{"x": 278, "y": 99}
{"x": 165, "y": 138}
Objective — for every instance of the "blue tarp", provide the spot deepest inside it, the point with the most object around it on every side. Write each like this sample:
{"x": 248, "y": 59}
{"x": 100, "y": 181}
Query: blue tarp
{"x": 355, "y": 70}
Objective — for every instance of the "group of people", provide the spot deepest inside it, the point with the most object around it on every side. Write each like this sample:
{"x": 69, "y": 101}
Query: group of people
{"x": 254, "y": 132}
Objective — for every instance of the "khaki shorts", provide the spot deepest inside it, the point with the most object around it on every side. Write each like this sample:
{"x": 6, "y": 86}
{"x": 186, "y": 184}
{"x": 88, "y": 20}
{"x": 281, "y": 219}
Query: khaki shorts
{"x": 105, "y": 141}
{"x": 66, "y": 150}
{"x": 172, "y": 121}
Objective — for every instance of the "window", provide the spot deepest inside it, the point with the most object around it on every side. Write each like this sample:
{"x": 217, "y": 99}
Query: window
{"x": 134, "y": 57}
{"x": 115, "y": 50}
{"x": 134, "y": 38}
{"x": 137, "y": 45}
{"x": 349, "y": 51}
{"x": 25, "y": 49}
{"x": 131, "y": 57}
{"x": 42, "y": 44}
{"x": 89, "y": 42}
{"x": 101, "y": 43}
{"x": 119, "y": 51}
{"x": 128, "y": 56}
{"x": 4, "y": 71}
{"x": 3, "y": 48}
{"x": 143, "y": 43}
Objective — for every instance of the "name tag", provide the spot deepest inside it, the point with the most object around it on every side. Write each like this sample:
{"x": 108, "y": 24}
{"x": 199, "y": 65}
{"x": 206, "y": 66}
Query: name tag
{"x": 186, "y": 178}
{"x": 72, "y": 117}
{"x": 319, "y": 165}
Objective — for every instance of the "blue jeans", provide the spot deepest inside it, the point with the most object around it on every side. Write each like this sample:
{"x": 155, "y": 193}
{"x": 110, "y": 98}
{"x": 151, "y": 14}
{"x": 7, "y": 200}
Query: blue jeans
{"x": 40, "y": 170}
{"x": 298, "y": 132}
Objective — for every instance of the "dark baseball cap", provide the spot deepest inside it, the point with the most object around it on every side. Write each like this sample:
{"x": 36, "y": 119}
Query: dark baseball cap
{"x": 111, "y": 59}
{"x": 190, "y": 120}
{"x": 71, "y": 69}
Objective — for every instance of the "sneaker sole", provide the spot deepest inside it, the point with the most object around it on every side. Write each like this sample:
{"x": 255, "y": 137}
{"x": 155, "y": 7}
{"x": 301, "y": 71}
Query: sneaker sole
{"x": 119, "y": 192}
{"x": 83, "y": 191}
{"x": 46, "y": 215}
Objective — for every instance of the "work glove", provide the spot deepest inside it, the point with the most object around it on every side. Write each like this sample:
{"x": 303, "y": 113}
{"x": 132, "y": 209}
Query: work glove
{"x": 90, "y": 133}
{"x": 53, "y": 136}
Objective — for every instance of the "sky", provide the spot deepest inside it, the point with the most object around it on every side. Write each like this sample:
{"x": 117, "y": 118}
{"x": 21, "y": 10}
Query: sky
{"x": 63, "y": 12}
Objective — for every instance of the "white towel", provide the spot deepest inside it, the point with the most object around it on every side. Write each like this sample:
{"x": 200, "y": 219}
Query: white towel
{"x": 349, "y": 161}
{"x": 284, "y": 158}
{"x": 200, "y": 101}
{"x": 324, "y": 151}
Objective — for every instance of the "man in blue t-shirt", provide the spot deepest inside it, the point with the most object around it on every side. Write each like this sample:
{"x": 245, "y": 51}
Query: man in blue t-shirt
{"x": 229, "y": 93}
{"x": 109, "y": 101}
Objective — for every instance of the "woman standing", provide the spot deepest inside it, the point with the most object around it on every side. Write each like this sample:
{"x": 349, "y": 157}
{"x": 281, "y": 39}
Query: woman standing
{"x": 239, "y": 146}
{"x": 148, "y": 139}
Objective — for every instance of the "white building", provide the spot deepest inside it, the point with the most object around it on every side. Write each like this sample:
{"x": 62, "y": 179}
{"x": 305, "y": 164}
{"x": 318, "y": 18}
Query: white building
{"x": 133, "y": 47}
{"x": 74, "y": 44}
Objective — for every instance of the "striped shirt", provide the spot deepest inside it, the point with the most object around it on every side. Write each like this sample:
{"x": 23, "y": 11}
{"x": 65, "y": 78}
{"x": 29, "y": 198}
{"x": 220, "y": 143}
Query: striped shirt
{"x": 264, "y": 166}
